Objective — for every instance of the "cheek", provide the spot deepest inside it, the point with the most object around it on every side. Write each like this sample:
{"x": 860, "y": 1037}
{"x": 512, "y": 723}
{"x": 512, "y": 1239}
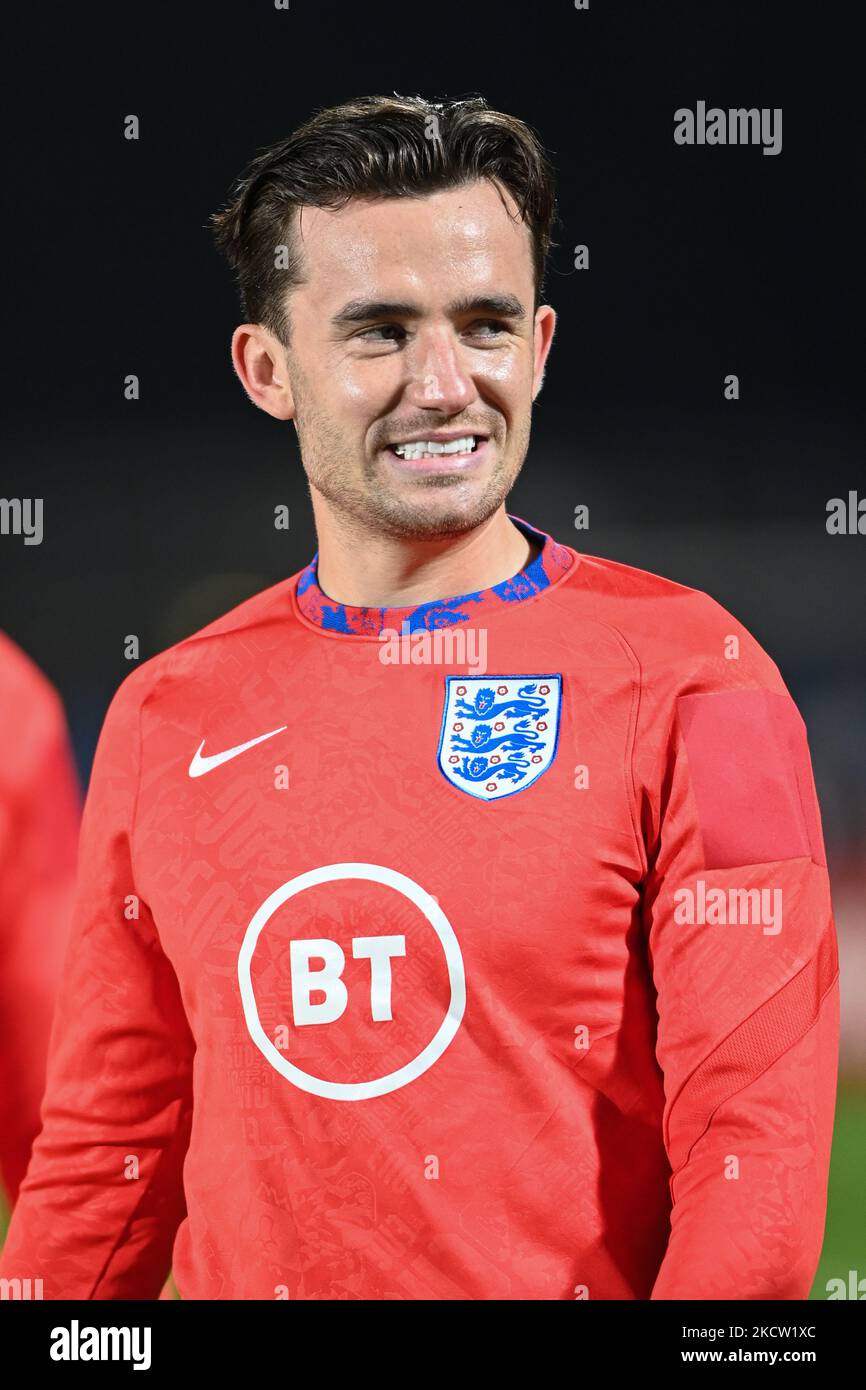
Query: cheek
{"x": 508, "y": 372}
{"x": 354, "y": 388}
{"x": 510, "y": 375}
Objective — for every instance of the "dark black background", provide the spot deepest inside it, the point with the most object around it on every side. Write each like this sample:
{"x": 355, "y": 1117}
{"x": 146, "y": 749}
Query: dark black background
{"x": 703, "y": 261}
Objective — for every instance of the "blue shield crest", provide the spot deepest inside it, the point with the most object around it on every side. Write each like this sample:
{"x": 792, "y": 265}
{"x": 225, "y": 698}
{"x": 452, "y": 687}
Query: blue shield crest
{"x": 499, "y": 733}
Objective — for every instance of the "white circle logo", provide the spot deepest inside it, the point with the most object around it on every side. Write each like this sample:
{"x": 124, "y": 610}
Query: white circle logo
{"x": 381, "y": 1085}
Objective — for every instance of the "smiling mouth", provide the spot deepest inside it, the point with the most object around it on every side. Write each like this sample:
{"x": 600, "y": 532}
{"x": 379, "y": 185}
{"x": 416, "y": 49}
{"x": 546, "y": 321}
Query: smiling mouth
{"x": 435, "y": 455}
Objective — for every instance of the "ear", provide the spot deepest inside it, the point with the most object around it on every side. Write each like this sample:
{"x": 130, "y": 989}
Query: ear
{"x": 259, "y": 360}
{"x": 545, "y": 327}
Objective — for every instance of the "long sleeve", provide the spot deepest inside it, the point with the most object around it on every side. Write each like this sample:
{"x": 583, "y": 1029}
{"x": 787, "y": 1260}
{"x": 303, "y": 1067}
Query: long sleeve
{"x": 103, "y": 1196}
{"x": 39, "y": 823}
{"x": 742, "y": 947}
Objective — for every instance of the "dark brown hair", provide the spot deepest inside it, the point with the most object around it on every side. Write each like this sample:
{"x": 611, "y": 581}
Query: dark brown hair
{"x": 374, "y": 146}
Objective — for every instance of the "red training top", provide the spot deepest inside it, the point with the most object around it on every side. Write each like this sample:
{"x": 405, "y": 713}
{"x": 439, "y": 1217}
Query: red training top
{"x": 482, "y": 950}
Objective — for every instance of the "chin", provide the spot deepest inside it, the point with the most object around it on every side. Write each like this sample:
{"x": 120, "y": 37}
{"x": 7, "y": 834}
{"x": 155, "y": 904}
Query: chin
{"x": 435, "y": 516}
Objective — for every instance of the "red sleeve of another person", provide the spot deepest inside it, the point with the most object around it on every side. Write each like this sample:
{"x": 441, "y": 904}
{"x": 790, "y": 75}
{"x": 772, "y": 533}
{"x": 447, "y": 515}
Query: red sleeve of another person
{"x": 39, "y": 821}
{"x": 103, "y": 1195}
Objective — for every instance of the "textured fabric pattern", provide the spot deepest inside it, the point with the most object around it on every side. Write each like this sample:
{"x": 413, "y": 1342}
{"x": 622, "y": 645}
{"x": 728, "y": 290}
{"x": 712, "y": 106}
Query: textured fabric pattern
{"x": 633, "y": 1100}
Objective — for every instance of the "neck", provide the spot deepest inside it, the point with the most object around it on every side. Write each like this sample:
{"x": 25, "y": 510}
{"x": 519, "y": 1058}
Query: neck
{"x": 363, "y": 568}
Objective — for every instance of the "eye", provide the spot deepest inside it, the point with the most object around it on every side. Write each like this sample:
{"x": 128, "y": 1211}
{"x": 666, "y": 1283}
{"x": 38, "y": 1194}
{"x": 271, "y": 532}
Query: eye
{"x": 381, "y": 328}
{"x": 395, "y": 333}
{"x": 496, "y": 325}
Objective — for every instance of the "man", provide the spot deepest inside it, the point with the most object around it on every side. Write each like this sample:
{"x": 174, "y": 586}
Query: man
{"x": 505, "y": 977}
{"x": 39, "y": 819}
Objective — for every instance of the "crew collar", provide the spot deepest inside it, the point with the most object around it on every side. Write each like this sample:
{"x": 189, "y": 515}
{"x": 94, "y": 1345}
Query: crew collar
{"x": 552, "y": 561}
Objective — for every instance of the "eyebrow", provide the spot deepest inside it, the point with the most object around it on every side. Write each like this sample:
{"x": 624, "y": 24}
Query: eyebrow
{"x": 362, "y": 310}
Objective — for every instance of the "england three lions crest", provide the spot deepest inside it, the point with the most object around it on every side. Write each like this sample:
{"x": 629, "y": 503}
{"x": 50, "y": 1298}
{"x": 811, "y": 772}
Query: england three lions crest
{"x": 499, "y": 733}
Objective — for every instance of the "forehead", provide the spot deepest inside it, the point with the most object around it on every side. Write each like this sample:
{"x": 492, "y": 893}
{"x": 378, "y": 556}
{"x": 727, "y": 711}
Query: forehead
{"x": 470, "y": 235}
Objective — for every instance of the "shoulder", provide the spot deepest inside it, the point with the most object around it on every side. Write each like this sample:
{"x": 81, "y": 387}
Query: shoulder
{"x": 193, "y": 655}
{"x": 32, "y": 718}
{"x": 20, "y": 677}
{"x": 665, "y": 625}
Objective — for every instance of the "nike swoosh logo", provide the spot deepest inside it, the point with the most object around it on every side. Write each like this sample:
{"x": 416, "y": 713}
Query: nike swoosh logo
{"x": 199, "y": 765}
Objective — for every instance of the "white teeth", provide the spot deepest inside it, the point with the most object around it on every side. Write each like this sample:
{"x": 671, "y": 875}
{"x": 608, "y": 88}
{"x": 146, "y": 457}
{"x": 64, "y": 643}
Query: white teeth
{"x": 429, "y": 448}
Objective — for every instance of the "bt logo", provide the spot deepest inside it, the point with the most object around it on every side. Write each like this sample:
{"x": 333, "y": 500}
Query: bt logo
{"x": 379, "y": 950}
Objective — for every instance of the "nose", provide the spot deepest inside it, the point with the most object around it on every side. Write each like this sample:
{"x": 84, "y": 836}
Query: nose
{"x": 438, "y": 377}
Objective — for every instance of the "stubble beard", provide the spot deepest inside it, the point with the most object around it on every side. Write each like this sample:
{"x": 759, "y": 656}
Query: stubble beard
{"x": 442, "y": 505}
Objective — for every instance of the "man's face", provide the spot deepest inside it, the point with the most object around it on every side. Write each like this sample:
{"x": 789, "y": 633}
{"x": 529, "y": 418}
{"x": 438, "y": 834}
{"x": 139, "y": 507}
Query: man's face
{"x": 415, "y": 323}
